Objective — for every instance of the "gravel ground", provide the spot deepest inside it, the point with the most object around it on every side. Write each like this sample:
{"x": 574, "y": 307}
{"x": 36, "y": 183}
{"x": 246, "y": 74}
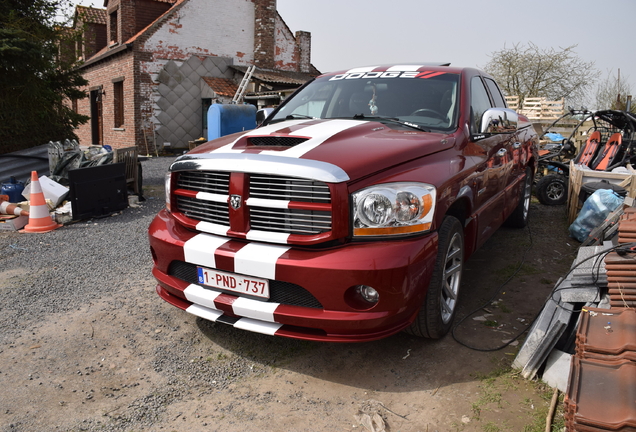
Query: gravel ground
{"x": 79, "y": 262}
{"x": 86, "y": 344}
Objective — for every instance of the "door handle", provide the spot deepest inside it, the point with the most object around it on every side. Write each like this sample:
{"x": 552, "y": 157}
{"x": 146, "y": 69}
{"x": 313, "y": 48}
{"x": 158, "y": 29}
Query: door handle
{"x": 502, "y": 152}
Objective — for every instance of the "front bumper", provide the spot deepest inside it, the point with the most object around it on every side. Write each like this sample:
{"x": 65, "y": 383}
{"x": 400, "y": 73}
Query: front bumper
{"x": 399, "y": 270}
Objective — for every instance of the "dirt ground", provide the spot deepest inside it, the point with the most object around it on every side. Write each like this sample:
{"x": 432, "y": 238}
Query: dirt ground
{"x": 133, "y": 362}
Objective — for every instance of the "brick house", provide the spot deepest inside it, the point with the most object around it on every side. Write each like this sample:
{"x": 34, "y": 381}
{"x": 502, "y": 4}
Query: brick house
{"x": 154, "y": 66}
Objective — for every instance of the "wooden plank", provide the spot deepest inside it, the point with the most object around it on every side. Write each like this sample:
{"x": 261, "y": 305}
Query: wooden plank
{"x": 128, "y": 156}
{"x": 578, "y": 177}
{"x": 537, "y": 108}
{"x": 512, "y": 102}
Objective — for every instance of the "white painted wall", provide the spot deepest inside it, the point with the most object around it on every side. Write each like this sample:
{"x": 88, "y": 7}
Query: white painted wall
{"x": 226, "y": 31}
{"x": 285, "y": 46}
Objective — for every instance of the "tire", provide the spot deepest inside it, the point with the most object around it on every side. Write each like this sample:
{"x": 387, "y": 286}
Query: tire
{"x": 440, "y": 305}
{"x": 552, "y": 190}
{"x": 519, "y": 217}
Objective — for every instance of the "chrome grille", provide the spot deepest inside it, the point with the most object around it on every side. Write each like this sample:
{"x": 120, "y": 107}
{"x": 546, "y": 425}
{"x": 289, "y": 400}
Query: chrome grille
{"x": 305, "y": 222}
{"x": 205, "y": 181}
{"x": 289, "y": 189}
{"x": 201, "y": 210}
{"x": 264, "y": 216}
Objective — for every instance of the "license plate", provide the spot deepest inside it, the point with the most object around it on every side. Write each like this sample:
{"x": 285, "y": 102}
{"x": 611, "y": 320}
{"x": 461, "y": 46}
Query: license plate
{"x": 237, "y": 283}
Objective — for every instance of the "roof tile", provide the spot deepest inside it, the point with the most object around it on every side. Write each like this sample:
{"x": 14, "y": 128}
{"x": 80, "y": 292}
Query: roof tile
{"x": 222, "y": 86}
{"x": 91, "y": 14}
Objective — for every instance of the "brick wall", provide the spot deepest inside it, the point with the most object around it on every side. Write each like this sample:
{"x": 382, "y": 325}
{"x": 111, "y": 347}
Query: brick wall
{"x": 102, "y": 75}
{"x": 146, "y": 11}
{"x": 264, "y": 33}
{"x": 243, "y": 31}
{"x": 94, "y": 39}
{"x": 127, "y": 21}
{"x": 113, "y": 26}
{"x": 303, "y": 44}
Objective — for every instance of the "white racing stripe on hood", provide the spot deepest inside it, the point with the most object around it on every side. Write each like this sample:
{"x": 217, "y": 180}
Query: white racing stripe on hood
{"x": 318, "y": 134}
{"x": 265, "y": 130}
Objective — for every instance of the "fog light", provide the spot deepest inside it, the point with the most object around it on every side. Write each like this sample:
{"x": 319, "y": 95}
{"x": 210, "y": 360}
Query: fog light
{"x": 368, "y": 294}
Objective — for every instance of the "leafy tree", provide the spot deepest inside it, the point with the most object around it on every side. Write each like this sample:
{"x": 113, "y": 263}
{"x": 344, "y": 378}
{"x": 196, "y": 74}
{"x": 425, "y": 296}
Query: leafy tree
{"x": 38, "y": 77}
{"x": 612, "y": 93}
{"x": 529, "y": 71}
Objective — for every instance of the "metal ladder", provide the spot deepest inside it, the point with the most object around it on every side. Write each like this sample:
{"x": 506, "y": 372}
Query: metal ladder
{"x": 240, "y": 92}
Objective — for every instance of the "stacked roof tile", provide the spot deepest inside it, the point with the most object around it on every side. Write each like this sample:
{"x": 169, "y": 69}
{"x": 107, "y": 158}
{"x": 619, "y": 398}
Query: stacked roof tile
{"x": 601, "y": 392}
{"x": 621, "y": 268}
{"x": 602, "y": 383}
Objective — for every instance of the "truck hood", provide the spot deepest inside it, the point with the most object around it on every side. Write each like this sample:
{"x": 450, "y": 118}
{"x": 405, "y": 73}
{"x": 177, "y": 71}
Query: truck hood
{"x": 350, "y": 149}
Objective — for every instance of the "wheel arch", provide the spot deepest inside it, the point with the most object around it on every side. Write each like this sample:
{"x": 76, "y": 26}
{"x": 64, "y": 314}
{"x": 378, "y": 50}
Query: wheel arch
{"x": 461, "y": 209}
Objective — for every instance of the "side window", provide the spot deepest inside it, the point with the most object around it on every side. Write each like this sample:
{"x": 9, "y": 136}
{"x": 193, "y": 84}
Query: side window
{"x": 500, "y": 102}
{"x": 479, "y": 102}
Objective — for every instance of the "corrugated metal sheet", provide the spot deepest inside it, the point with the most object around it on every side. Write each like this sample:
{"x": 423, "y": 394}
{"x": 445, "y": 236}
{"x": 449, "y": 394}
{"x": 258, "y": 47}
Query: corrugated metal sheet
{"x": 20, "y": 164}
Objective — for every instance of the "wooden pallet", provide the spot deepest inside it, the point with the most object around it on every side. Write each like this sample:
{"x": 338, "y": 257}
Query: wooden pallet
{"x": 580, "y": 176}
{"x": 128, "y": 156}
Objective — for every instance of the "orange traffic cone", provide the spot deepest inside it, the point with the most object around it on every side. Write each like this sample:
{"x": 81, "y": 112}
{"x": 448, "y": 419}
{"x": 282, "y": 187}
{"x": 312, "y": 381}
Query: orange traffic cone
{"x": 10, "y": 209}
{"x": 40, "y": 220}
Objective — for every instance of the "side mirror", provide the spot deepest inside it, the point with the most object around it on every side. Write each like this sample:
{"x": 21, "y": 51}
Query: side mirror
{"x": 499, "y": 121}
{"x": 262, "y": 114}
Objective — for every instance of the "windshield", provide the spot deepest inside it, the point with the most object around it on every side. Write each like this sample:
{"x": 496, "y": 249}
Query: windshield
{"x": 428, "y": 102}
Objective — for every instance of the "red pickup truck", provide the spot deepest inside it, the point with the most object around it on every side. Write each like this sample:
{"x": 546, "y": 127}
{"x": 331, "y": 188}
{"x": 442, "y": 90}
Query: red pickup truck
{"x": 349, "y": 213}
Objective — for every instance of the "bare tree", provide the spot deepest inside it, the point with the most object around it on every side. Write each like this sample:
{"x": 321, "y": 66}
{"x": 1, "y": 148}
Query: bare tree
{"x": 529, "y": 71}
{"x": 613, "y": 92}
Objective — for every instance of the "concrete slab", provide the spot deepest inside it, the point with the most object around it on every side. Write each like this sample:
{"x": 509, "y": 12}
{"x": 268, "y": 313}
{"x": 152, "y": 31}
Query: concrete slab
{"x": 557, "y": 370}
{"x": 605, "y": 302}
{"x": 581, "y": 294}
{"x": 543, "y": 335}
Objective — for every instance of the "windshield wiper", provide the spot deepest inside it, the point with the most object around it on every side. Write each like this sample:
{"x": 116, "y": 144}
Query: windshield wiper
{"x": 390, "y": 120}
{"x": 298, "y": 116}
{"x": 291, "y": 117}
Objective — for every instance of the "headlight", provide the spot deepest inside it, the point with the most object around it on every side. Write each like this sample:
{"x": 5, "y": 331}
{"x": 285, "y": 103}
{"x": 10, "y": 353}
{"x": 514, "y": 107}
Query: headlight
{"x": 393, "y": 208}
{"x": 167, "y": 186}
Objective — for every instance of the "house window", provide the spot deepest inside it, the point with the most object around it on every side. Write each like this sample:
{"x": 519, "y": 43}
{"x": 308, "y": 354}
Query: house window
{"x": 114, "y": 37}
{"x": 118, "y": 92}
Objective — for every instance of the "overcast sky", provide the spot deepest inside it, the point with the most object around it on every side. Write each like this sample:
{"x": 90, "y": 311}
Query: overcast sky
{"x": 351, "y": 33}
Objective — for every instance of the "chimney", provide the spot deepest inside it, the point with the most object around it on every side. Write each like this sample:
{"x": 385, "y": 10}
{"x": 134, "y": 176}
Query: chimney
{"x": 127, "y": 19}
{"x": 264, "y": 33}
{"x": 303, "y": 44}
{"x": 121, "y": 20}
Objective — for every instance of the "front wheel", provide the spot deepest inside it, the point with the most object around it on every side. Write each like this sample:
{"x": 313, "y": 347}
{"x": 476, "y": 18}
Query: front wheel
{"x": 519, "y": 217}
{"x": 440, "y": 305}
{"x": 552, "y": 190}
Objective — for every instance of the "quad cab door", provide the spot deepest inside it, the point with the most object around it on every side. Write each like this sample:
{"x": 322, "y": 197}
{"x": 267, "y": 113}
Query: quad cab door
{"x": 495, "y": 163}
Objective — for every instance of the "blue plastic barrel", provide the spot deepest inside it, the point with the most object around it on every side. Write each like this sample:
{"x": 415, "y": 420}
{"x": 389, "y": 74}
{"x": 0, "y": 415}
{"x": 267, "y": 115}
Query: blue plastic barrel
{"x": 226, "y": 119}
{"x": 13, "y": 189}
